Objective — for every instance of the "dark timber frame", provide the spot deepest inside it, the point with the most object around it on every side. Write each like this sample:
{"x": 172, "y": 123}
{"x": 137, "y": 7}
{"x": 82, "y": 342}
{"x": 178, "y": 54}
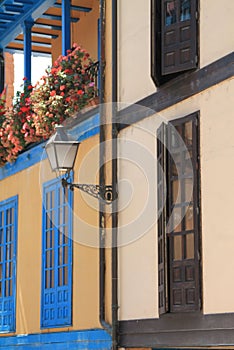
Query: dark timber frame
{"x": 177, "y": 90}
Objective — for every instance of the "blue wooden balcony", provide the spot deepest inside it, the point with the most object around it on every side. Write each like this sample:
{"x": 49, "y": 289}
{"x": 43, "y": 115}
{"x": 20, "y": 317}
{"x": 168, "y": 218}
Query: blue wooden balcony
{"x": 32, "y": 26}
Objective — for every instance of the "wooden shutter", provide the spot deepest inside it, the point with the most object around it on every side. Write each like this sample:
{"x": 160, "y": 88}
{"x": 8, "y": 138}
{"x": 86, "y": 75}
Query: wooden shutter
{"x": 183, "y": 235}
{"x": 178, "y": 36}
{"x": 161, "y": 195}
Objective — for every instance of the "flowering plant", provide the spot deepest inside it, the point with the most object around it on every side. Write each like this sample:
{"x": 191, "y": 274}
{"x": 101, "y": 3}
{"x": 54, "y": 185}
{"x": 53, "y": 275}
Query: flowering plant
{"x": 64, "y": 90}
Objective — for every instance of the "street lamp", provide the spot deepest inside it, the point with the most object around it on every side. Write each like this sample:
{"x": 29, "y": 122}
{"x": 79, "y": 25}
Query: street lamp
{"x": 61, "y": 150}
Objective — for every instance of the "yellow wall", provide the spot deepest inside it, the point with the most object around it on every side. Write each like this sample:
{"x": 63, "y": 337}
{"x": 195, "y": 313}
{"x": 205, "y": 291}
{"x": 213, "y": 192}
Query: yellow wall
{"x": 27, "y": 184}
{"x": 138, "y": 256}
{"x": 216, "y": 40}
{"x": 84, "y": 32}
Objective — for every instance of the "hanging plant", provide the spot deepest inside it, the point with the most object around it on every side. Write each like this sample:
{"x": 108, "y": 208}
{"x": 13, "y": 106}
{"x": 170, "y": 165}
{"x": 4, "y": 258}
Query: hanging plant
{"x": 64, "y": 90}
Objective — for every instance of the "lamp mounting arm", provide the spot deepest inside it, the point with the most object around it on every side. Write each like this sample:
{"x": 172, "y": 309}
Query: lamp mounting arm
{"x": 103, "y": 193}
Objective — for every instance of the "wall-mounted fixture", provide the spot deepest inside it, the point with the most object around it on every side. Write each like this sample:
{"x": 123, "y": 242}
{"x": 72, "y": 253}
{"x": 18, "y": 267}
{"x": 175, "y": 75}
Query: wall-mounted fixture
{"x": 61, "y": 150}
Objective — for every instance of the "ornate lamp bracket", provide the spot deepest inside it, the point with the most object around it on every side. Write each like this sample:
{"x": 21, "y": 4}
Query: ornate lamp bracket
{"x": 103, "y": 193}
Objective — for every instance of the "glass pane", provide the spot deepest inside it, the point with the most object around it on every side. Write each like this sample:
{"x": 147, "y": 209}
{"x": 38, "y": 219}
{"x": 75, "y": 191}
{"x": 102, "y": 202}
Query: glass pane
{"x": 60, "y": 277}
{"x": 52, "y": 239}
{"x": 170, "y": 12}
{"x": 190, "y": 246}
{"x": 65, "y": 214}
{"x": 177, "y": 247}
{"x": 10, "y": 287}
{"x": 65, "y": 275}
{"x": 176, "y": 164}
{"x": 47, "y": 264}
{"x": 51, "y": 278}
{"x": 185, "y": 10}
{"x": 188, "y": 163}
{"x": 188, "y": 190}
{"x": 188, "y": 133}
{"x": 189, "y": 225}
{"x": 60, "y": 256}
{"x": 177, "y": 220}
{"x": 1, "y": 236}
{"x": 9, "y": 216}
{"x": 60, "y": 196}
{"x": 1, "y": 219}
{"x": 176, "y": 191}
{"x": 47, "y": 282}
{"x": 47, "y": 221}
{"x": 61, "y": 216}
{"x": 1, "y": 254}
{"x": 65, "y": 254}
{"x": 52, "y": 199}
{"x": 47, "y": 200}
{"x": 6, "y": 288}
{"x": 48, "y": 239}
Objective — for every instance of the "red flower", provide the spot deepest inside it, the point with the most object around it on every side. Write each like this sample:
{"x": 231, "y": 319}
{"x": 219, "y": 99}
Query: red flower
{"x": 62, "y": 87}
{"x": 80, "y": 92}
{"x": 53, "y": 93}
{"x": 53, "y": 70}
{"x": 30, "y": 87}
{"x": 24, "y": 109}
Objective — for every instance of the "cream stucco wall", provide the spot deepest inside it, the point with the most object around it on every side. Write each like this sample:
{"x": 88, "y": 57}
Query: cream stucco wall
{"x": 138, "y": 255}
{"x": 216, "y": 39}
{"x": 27, "y": 184}
{"x": 134, "y": 50}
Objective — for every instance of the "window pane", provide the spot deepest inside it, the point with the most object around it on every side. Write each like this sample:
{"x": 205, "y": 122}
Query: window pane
{"x": 65, "y": 254}
{"x": 188, "y": 190}
{"x": 170, "y": 12}
{"x": 60, "y": 277}
{"x": 189, "y": 218}
{"x": 176, "y": 191}
{"x": 65, "y": 275}
{"x": 177, "y": 247}
{"x": 60, "y": 256}
{"x": 185, "y": 10}
{"x": 190, "y": 246}
{"x": 177, "y": 219}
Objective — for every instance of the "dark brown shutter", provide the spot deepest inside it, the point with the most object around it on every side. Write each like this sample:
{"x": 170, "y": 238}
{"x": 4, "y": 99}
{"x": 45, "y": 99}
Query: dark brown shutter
{"x": 183, "y": 235}
{"x": 161, "y": 195}
{"x": 178, "y": 38}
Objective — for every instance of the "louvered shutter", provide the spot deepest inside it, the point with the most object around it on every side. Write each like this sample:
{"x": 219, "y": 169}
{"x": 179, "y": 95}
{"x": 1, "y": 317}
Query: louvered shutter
{"x": 178, "y": 35}
{"x": 161, "y": 195}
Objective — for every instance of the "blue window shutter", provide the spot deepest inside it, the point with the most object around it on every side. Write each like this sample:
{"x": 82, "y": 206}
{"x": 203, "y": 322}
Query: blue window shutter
{"x": 8, "y": 246}
{"x": 56, "y": 298}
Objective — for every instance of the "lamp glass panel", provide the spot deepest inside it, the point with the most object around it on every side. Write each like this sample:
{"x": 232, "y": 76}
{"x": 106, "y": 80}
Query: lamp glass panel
{"x": 66, "y": 155}
{"x": 50, "y": 150}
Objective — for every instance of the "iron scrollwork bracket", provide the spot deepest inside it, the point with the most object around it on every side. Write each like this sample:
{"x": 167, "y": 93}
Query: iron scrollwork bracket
{"x": 103, "y": 193}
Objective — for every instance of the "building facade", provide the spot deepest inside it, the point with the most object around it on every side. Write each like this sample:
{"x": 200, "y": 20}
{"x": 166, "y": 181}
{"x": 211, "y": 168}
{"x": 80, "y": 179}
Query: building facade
{"x": 153, "y": 269}
{"x": 175, "y": 232}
